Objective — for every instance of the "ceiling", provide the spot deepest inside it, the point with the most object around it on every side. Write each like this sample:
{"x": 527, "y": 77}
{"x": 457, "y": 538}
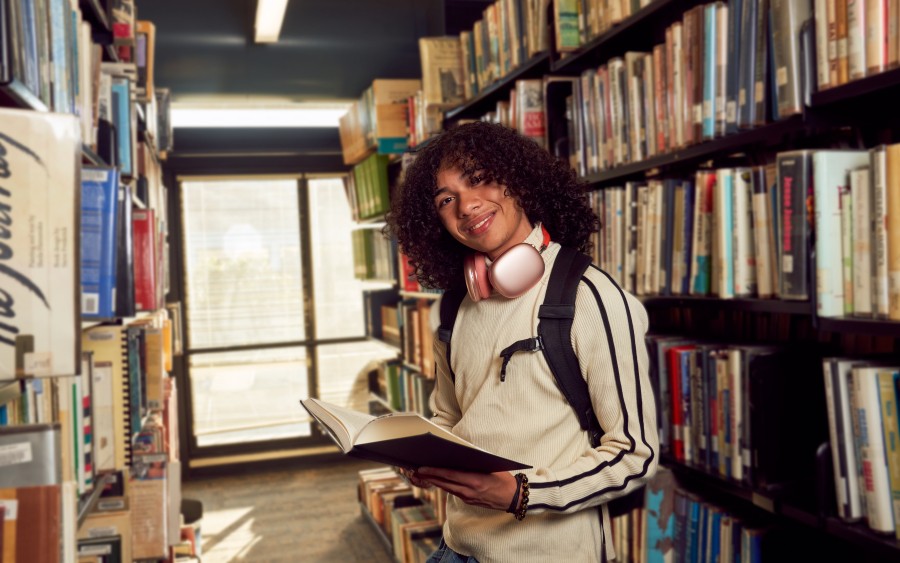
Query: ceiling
{"x": 328, "y": 49}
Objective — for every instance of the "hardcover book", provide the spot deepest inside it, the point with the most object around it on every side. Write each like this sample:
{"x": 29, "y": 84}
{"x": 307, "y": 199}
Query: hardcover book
{"x": 99, "y": 207}
{"x": 39, "y": 251}
{"x": 403, "y": 439}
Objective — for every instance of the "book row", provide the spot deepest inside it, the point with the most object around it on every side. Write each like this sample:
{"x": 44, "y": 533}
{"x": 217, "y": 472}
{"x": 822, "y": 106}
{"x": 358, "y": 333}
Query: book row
{"x": 401, "y": 388}
{"x": 724, "y": 408}
{"x": 123, "y": 248}
{"x": 50, "y": 61}
{"x": 410, "y": 524}
{"x": 368, "y": 189}
{"x": 373, "y": 255}
{"x": 854, "y": 39}
{"x": 407, "y": 325}
{"x": 676, "y": 524}
{"x": 763, "y": 231}
{"x": 864, "y": 430}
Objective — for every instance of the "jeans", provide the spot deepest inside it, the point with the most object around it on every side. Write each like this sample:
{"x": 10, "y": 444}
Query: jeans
{"x": 446, "y": 555}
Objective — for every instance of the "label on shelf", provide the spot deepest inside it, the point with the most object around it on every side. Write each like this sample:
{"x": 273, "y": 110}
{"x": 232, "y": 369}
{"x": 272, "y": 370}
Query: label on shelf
{"x": 15, "y": 454}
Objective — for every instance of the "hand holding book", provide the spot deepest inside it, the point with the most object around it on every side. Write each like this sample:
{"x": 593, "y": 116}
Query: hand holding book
{"x": 403, "y": 439}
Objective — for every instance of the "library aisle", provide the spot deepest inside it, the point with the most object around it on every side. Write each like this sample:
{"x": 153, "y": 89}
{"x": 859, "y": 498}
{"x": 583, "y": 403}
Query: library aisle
{"x": 295, "y": 513}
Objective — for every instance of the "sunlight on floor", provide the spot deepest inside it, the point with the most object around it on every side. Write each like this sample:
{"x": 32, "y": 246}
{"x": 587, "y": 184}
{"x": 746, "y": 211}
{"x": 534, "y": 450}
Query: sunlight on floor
{"x": 227, "y": 535}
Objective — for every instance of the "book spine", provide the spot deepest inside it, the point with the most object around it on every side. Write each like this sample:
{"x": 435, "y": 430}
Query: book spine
{"x": 876, "y": 35}
{"x": 856, "y": 38}
{"x": 793, "y": 181}
{"x": 878, "y": 160}
{"x": 742, "y": 235}
{"x": 847, "y": 258}
{"x": 733, "y": 65}
{"x": 862, "y": 241}
{"x": 892, "y": 213}
{"x": 710, "y": 41}
{"x": 878, "y": 504}
{"x": 822, "y": 72}
{"x": 888, "y": 378}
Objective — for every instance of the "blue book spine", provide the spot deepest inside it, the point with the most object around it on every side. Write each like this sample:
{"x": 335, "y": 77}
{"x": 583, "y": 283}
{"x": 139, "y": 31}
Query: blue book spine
{"x": 693, "y": 532}
{"x": 734, "y": 65}
{"x": 709, "y": 73}
{"x": 689, "y": 192}
{"x": 689, "y": 446}
{"x": 99, "y": 210}
{"x": 714, "y": 406}
{"x": 715, "y": 547}
{"x": 4, "y": 416}
{"x": 122, "y": 119}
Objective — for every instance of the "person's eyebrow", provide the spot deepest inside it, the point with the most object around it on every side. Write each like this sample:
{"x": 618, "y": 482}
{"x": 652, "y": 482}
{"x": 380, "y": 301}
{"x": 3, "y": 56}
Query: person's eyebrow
{"x": 439, "y": 191}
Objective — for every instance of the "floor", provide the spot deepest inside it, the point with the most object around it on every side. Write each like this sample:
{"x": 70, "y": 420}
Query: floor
{"x": 287, "y": 515}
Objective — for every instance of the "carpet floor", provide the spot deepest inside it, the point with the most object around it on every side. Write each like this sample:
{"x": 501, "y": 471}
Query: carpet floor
{"x": 288, "y": 515}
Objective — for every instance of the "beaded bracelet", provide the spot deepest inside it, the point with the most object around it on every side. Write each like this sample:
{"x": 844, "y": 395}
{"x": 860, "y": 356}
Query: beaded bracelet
{"x": 515, "y": 500}
{"x": 523, "y": 483}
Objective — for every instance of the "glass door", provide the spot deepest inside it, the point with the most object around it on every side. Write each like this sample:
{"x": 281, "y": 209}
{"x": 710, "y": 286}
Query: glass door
{"x": 273, "y": 314}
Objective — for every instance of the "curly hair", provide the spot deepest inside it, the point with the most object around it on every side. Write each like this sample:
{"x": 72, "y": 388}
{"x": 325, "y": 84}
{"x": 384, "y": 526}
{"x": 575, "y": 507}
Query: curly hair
{"x": 546, "y": 188}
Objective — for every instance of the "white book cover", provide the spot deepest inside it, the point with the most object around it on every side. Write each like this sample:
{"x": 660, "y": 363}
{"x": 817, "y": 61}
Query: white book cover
{"x": 39, "y": 252}
{"x": 878, "y": 164}
{"x": 879, "y": 511}
{"x": 831, "y": 173}
{"x": 821, "y": 43}
{"x": 856, "y": 38}
{"x": 743, "y": 242}
{"x": 656, "y": 217}
{"x": 860, "y": 189}
{"x": 847, "y": 258}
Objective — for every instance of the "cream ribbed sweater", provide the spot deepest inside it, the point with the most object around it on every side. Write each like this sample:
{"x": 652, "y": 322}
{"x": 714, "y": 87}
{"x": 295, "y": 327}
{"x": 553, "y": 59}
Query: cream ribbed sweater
{"x": 527, "y": 418}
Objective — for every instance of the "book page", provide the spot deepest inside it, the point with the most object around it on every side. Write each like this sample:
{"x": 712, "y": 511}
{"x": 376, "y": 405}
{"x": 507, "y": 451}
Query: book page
{"x": 343, "y": 424}
{"x": 401, "y": 425}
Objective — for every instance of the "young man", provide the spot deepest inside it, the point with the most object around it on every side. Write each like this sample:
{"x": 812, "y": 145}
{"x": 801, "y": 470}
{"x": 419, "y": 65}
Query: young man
{"x": 467, "y": 203}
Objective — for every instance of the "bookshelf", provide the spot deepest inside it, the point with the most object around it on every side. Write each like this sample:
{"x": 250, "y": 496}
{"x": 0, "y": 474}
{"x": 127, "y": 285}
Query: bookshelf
{"x": 772, "y": 134}
{"x": 856, "y": 114}
{"x": 118, "y": 386}
{"x": 536, "y": 67}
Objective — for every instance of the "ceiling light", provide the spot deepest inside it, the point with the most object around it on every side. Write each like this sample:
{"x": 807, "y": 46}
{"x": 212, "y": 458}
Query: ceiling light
{"x": 269, "y": 17}
{"x": 257, "y": 117}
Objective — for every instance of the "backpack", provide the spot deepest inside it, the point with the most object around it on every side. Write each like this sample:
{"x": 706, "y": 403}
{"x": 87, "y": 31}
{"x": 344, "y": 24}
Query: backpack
{"x": 556, "y": 315}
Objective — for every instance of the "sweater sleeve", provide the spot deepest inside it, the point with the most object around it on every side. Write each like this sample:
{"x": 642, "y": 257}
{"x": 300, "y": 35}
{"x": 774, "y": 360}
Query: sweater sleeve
{"x": 608, "y": 338}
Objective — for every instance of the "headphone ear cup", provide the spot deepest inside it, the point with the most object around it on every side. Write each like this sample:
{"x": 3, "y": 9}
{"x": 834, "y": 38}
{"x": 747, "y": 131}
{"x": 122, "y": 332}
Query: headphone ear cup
{"x": 477, "y": 282}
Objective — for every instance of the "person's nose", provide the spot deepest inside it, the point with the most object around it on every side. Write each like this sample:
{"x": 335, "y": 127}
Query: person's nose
{"x": 469, "y": 203}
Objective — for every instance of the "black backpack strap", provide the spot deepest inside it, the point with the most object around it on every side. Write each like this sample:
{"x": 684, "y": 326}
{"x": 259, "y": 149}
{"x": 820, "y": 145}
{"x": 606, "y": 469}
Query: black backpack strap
{"x": 450, "y": 302}
{"x": 554, "y": 328}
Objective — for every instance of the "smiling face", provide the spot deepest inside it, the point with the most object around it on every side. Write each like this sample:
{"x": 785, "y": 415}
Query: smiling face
{"x": 479, "y": 213}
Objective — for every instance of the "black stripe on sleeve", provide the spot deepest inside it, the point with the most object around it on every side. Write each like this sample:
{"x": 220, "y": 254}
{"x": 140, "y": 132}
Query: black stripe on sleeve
{"x": 639, "y": 400}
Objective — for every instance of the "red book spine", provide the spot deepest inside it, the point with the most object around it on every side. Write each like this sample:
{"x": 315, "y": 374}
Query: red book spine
{"x": 144, "y": 259}
{"x": 675, "y": 389}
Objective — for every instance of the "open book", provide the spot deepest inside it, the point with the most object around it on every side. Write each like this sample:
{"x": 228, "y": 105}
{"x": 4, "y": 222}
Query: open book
{"x": 403, "y": 439}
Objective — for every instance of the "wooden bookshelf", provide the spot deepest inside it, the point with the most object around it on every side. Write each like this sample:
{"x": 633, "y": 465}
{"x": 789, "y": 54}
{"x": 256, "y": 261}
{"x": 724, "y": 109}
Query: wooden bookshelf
{"x": 885, "y": 83}
{"x": 878, "y": 327}
{"x": 738, "y": 304}
{"x": 486, "y": 100}
{"x": 385, "y": 540}
{"x": 769, "y": 135}
{"x": 881, "y": 545}
{"x": 630, "y": 33}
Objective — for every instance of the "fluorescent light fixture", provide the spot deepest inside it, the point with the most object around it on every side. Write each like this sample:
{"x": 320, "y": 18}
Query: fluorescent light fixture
{"x": 269, "y": 17}
{"x": 256, "y": 117}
